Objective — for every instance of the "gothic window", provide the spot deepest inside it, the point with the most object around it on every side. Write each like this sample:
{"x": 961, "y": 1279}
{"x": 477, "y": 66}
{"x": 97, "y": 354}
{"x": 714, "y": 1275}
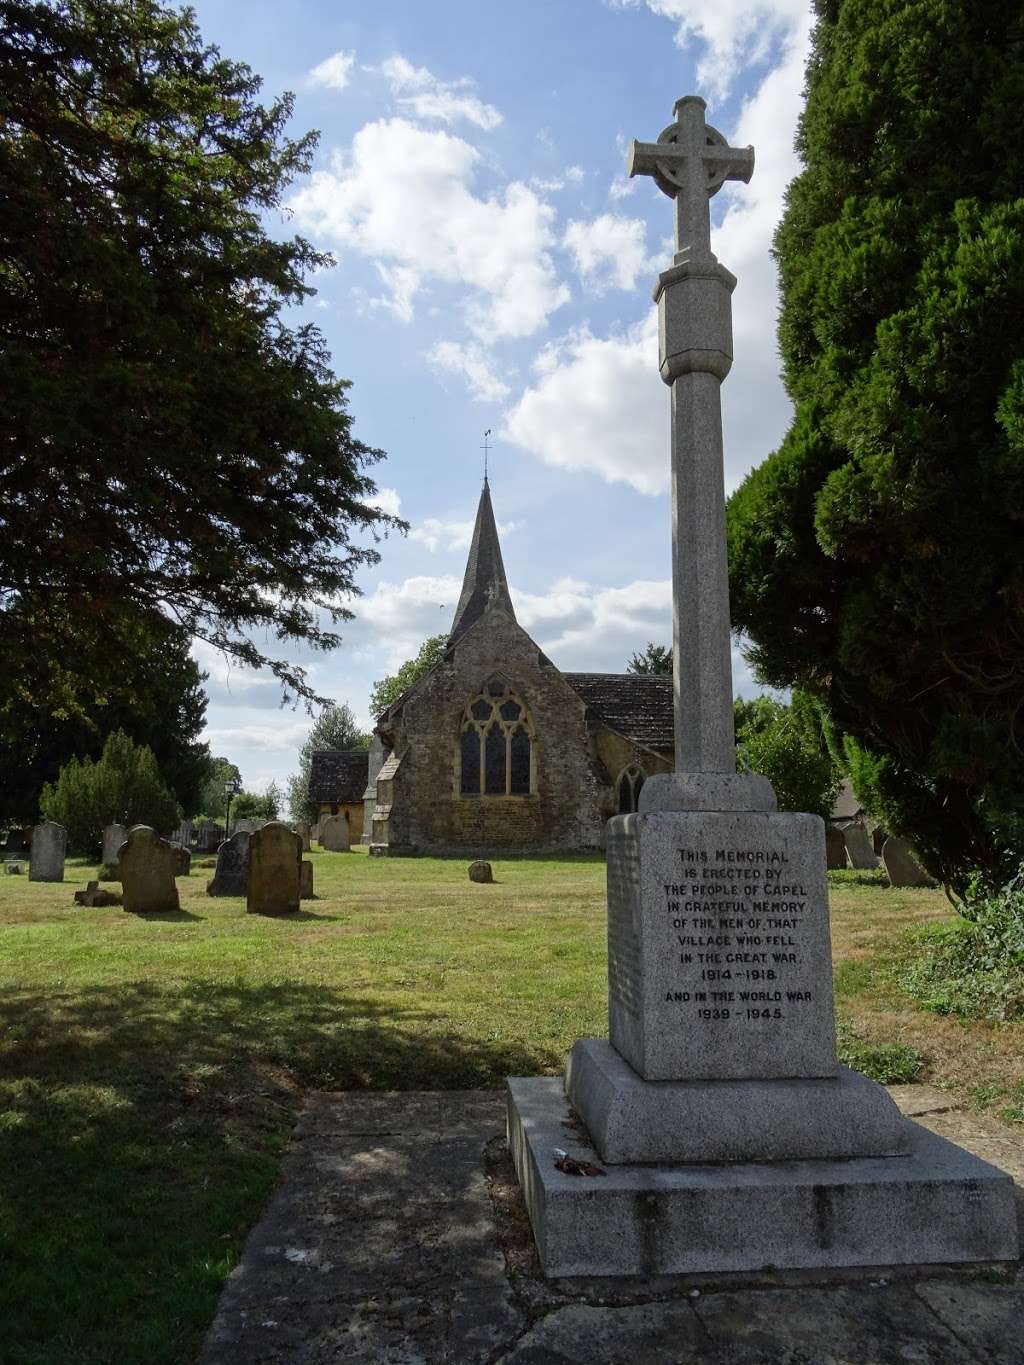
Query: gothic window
{"x": 628, "y": 788}
{"x": 495, "y": 743}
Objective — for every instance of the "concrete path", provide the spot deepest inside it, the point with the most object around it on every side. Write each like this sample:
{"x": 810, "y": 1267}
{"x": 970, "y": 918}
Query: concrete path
{"x": 397, "y": 1236}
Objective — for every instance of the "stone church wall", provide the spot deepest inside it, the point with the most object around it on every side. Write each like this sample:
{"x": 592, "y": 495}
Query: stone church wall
{"x": 571, "y": 804}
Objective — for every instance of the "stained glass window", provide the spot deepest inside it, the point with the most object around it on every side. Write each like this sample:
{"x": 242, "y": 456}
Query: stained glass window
{"x": 519, "y": 784}
{"x": 470, "y": 762}
{"x": 625, "y": 795}
{"x": 628, "y": 789}
{"x": 511, "y": 710}
{"x": 494, "y": 761}
{"x": 495, "y": 744}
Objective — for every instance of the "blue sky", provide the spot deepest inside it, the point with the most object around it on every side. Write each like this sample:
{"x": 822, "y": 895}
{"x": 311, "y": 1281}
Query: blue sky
{"x": 494, "y": 270}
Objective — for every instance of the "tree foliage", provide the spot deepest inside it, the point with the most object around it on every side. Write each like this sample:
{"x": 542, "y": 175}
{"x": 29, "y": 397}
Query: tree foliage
{"x": 124, "y": 787}
{"x": 167, "y": 437}
{"x": 875, "y": 557}
{"x": 334, "y": 728}
{"x": 212, "y": 799}
{"x": 786, "y": 744}
{"x": 259, "y": 806}
{"x": 143, "y": 680}
{"x": 654, "y": 659}
{"x": 387, "y": 691}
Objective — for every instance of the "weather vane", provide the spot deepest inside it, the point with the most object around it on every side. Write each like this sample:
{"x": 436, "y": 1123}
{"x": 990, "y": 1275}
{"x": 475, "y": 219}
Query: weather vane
{"x": 487, "y": 450}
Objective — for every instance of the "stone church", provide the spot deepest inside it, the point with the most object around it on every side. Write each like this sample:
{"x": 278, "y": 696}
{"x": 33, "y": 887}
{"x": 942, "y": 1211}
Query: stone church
{"x": 495, "y": 749}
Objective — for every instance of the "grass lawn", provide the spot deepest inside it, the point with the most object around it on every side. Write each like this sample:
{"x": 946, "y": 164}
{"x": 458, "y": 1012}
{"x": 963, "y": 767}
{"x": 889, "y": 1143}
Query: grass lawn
{"x": 150, "y": 1069}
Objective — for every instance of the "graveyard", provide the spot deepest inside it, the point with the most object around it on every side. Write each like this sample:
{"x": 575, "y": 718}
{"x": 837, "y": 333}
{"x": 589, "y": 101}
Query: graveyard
{"x": 153, "y": 1066}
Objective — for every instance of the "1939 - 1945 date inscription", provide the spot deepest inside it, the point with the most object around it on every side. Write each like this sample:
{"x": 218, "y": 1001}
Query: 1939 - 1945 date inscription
{"x": 733, "y": 922}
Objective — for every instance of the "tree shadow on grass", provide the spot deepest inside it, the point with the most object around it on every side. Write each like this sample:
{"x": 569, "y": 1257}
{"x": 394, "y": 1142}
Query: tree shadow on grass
{"x": 139, "y": 1133}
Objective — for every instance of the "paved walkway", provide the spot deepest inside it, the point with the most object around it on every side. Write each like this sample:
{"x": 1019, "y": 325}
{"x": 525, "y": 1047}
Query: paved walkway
{"x": 397, "y": 1237}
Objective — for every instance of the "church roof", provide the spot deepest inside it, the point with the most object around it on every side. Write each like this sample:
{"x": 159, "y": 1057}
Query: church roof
{"x": 638, "y": 705}
{"x": 485, "y": 584}
{"x": 338, "y": 776}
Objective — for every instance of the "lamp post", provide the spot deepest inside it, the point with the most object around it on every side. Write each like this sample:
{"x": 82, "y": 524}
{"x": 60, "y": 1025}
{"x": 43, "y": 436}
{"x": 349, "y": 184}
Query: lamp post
{"x": 231, "y": 788}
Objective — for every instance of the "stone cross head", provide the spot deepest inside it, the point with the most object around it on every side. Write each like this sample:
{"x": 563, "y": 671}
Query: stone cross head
{"x": 690, "y": 162}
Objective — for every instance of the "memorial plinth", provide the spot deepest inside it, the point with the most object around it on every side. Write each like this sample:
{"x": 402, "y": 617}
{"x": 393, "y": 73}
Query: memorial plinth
{"x": 730, "y": 1138}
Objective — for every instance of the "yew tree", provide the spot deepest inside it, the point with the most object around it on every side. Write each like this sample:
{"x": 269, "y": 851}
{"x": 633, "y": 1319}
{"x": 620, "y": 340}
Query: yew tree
{"x": 172, "y": 436}
{"x": 877, "y": 557}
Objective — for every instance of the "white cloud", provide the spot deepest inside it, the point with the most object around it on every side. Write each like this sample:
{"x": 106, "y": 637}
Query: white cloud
{"x": 575, "y": 174}
{"x": 472, "y": 363}
{"x": 405, "y": 614}
{"x": 735, "y": 33}
{"x": 621, "y": 189}
{"x": 287, "y": 735}
{"x": 388, "y": 500}
{"x": 402, "y": 197}
{"x": 420, "y": 93}
{"x": 599, "y": 404}
{"x": 433, "y": 532}
{"x": 609, "y": 252}
{"x": 333, "y": 73}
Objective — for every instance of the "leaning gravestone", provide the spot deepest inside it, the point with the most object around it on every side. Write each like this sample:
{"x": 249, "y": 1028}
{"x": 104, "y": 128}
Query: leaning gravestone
{"x": 835, "y": 849}
{"x": 232, "y": 870}
{"x": 858, "y": 846}
{"x": 901, "y": 867}
{"x": 731, "y": 1138}
{"x": 147, "y": 868}
{"x": 46, "y": 856}
{"x": 275, "y": 857}
{"x": 113, "y": 837}
{"x": 334, "y": 835}
{"x": 306, "y": 880}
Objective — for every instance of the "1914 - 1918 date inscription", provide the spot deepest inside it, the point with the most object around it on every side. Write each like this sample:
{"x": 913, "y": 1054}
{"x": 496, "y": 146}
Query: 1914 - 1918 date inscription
{"x": 733, "y": 922}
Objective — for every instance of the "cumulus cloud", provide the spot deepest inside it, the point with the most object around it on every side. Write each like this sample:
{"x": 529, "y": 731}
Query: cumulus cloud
{"x": 420, "y": 93}
{"x": 574, "y": 174}
{"x": 388, "y": 500}
{"x": 405, "y": 613}
{"x": 286, "y": 735}
{"x": 736, "y": 34}
{"x": 472, "y": 364}
{"x": 621, "y": 188}
{"x": 608, "y": 251}
{"x": 402, "y": 197}
{"x": 434, "y": 533}
{"x": 333, "y": 73}
{"x": 598, "y": 404}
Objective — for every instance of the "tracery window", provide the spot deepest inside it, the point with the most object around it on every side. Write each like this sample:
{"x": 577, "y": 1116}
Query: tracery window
{"x": 496, "y": 744}
{"x": 628, "y": 787}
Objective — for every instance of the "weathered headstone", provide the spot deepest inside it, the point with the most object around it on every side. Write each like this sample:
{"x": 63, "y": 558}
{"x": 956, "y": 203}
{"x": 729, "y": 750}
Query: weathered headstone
{"x": 46, "y": 857}
{"x": 13, "y": 868}
{"x": 306, "y": 880}
{"x": 901, "y": 867}
{"x": 232, "y": 866}
{"x": 275, "y": 858}
{"x": 480, "y": 872}
{"x": 334, "y": 834}
{"x": 730, "y": 1137}
{"x": 245, "y": 826}
{"x": 858, "y": 846}
{"x": 113, "y": 837}
{"x": 303, "y": 832}
{"x": 147, "y": 868}
{"x": 183, "y": 860}
{"x": 835, "y": 849}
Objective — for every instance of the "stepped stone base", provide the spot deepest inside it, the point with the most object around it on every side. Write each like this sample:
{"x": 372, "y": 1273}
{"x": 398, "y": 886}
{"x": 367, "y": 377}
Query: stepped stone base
{"x": 631, "y": 1120}
{"x": 936, "y": 1205}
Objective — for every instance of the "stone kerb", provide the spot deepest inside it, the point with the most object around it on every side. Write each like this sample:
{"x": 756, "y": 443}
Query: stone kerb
{"x": 147, "y": 868}
{"x": 334, "y": 834}
{"x": 230, "y": 874}
{"x": 275, "y": 858}
{"x": 46, "y": 857}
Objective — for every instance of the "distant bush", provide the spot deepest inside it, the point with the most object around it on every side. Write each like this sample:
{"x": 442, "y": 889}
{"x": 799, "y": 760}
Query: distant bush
{"x": 123, "y": 787}
{"x": 887, "y": 1063}
{"x": 973, "y": 968}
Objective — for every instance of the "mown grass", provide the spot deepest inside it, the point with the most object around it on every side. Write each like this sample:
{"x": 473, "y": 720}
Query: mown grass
{"x": 151, "y": 1068}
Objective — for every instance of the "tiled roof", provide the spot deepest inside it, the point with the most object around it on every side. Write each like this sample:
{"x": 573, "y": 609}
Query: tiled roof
{"x": 638, "y": 705}
{"x": 338, "y": 776}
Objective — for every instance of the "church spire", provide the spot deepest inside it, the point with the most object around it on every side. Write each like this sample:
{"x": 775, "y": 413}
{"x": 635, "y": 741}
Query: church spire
{"x": 485, "y": 584}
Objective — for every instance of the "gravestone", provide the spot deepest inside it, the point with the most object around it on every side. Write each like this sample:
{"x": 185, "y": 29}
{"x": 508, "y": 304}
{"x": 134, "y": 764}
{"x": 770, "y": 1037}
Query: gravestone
{"x": 275, "y": 857}
{"x": 480, "y": 872}
{"x": 835, "y": 849}
{"x": 232, "y": 866}
{"x": 858, "y": 846}
{"x": 94, "y": 896}
{"x": 334, "y": 834}
{"x": 246, "y": 826}
{"x": 730, "y": 1138}
{"x": 183, "y": 860}
{"x": 306, "y": 880}
{"x": 147, "y": 868}
{"x": 46, "y": 856}
{"x": 303, "y": 832}
{"x": 901, "y": 867}
{"x": 113, "y": 837}
{"x": 13, "y": 868}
